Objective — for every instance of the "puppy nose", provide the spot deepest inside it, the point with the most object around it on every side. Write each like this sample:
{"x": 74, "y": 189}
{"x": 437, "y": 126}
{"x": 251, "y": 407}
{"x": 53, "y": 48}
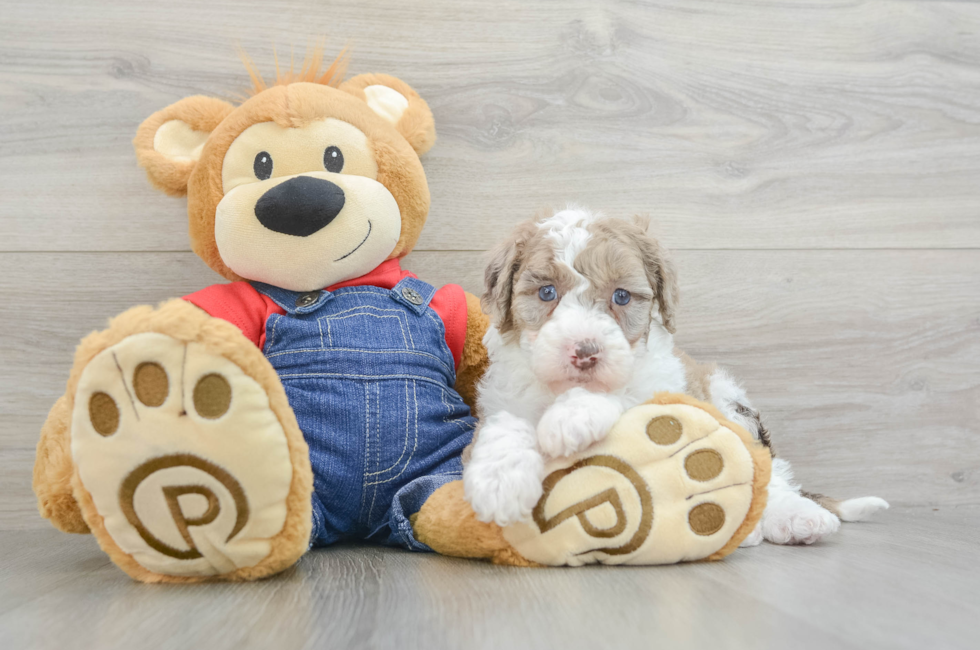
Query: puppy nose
{"x": 586, "y": 349}
{"x": 301, "y": 206}
{"x": 585, "y": 353}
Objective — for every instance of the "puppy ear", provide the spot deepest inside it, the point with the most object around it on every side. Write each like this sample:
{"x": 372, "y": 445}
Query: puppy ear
{"x": 642, "y": 222}
{"x": 169, "y": 142}
{"x": 662, "y": 276}
{"x": 505, "y": 260}
{"x": 395, "y": 101}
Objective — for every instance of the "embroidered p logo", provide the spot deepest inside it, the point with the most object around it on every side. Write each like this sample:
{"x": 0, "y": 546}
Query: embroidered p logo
{"x": 642, "y": 512}
{"x": 668, "y": 483}
{"x": 144, "y": 486}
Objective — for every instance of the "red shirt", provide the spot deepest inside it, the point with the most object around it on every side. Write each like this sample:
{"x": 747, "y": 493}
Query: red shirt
{"x": 247, "y": 309}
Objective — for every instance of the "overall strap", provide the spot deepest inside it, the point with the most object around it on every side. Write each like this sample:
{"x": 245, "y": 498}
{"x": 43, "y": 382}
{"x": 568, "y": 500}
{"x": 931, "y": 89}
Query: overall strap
{"x": 414, "y": 294}
{"x": 294, "y": 302}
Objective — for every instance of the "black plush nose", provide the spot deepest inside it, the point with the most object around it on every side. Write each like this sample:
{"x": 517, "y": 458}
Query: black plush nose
{"x": 300, "y": 206}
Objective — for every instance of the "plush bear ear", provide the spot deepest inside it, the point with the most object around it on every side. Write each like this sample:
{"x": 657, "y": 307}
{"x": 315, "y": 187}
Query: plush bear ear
{"x": 395, "y": 101}
{"x": 168, "y": 144}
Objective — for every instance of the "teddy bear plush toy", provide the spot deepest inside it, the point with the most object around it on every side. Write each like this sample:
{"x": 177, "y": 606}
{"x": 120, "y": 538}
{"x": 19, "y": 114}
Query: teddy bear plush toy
{"x": 324, "y": 393}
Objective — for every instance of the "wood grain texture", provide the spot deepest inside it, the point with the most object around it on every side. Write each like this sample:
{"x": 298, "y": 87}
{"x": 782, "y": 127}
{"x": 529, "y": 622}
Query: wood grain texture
{"x": 778, "y": 124}
{"x": 872, "y": 586}
{"x": 814, "y": 165}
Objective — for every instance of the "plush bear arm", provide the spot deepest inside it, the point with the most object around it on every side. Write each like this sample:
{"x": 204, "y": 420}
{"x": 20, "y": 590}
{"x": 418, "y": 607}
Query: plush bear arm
{"x": 474, "y": 361}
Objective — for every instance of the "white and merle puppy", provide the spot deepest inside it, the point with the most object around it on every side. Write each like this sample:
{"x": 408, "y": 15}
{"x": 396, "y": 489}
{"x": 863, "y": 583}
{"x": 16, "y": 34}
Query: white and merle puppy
{"x": 583, "y": 317}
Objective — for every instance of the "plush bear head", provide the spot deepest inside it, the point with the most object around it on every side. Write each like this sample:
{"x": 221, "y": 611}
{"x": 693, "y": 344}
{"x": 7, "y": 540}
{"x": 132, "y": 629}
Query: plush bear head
{"x": 308, "y": 183}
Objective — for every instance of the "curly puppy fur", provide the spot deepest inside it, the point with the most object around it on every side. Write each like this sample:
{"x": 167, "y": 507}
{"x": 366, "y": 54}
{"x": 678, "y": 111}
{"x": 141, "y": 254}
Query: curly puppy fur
{"x": 558, "y": 330}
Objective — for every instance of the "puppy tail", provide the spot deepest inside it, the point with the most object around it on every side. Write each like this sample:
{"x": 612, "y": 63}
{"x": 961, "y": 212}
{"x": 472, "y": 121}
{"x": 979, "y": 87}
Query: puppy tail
{"x": 859, "y": 509}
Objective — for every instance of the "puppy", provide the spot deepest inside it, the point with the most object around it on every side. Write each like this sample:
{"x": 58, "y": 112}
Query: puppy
{"x": 583, "y": 318}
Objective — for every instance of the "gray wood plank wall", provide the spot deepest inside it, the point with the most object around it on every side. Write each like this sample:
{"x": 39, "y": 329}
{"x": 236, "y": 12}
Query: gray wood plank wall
{"x": 814, "y": 166}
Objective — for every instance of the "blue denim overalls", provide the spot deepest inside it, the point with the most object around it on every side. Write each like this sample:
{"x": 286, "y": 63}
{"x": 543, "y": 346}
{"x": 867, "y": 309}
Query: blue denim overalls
{"x": 370, "y": 377}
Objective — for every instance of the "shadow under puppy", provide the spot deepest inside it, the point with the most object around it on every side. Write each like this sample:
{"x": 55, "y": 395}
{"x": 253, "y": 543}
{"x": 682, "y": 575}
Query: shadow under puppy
{"x": 583, "y": 321}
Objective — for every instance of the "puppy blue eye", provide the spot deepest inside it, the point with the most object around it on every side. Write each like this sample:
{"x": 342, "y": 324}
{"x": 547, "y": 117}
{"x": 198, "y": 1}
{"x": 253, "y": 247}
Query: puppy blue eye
{"x": 547, "y": 293}
{"x": 621, "y": 296}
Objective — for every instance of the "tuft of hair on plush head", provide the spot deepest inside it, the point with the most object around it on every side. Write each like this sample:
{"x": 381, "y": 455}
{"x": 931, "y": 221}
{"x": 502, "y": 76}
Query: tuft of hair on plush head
{"x": 310, "y": 71}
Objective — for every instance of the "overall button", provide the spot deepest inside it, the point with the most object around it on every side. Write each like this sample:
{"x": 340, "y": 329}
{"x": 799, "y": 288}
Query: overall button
{"x": 307, "y": 299}
{"x": 412, "y": 296}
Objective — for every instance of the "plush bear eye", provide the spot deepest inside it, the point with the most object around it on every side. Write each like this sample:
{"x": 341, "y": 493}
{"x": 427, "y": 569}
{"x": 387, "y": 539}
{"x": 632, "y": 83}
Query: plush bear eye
{"x": 547, "y": 293}
{"x": 621, "y": 296}
{"x": 333, "y": 160}
{"x": 262, "y": 165}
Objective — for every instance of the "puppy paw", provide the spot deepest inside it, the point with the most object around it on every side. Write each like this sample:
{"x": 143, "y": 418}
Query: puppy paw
{"x": 502, "y": 480}
{"x": 754, "y": 539}
{"x": 575, "y": 421}
{"x": 507, "y": 492}
{"x": 793, "y": 519}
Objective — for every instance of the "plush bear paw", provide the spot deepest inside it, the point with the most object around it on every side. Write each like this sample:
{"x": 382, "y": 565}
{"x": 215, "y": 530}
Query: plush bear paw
{"x": 185, "y": 469}
{"x": 671, "y": 482}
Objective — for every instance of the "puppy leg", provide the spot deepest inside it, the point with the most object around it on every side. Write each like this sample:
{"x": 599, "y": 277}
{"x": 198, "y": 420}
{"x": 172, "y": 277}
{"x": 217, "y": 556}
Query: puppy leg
{"x": 790, "y": 517}
{"x": 576, "y": 420}
{"x": 857, "y": 509}
{"x": 755, "y": 537}
{"x": 502, "y": 480}
{"x": 731, "y": 400}
{"x": 787, "y": 503}
{"x": 861, "y": 508}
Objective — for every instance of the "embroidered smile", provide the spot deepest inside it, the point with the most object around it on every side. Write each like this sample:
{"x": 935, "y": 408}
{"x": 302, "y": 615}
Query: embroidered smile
{"x": 359, "y": 245}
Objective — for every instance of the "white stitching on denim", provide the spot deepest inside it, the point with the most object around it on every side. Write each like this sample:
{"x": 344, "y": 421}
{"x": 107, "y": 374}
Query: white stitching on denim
{"x": 354, "y": 309}
{"x": 449, "y": 410}
{"x": 443, "y": 343}
{"x": 377, "y": 447}
{"x": 343, "y": 375}
{"x": 270, "y": 341}
{"x": 367, "y": 439}
{"x": 377, "y": 483}
{"x": 377, "y": 450}
{"x": 398, "y": 316}
{"x": 319, "y": 325}
{"x": 415, "y": 397}
{"x": 383, "y": 351}
{"x": 364, "y": 350}
{"x": 381, "y": 293}
{"x": 404, "y": 446}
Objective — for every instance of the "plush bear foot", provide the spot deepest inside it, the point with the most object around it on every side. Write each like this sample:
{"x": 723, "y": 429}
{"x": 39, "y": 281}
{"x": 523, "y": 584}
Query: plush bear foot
{"x": 185, "y": 469}
{"x": 673, "y": 481}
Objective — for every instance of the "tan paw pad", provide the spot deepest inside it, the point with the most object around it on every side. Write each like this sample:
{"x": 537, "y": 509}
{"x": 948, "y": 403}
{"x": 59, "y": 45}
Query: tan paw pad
{"x": 668, "y": 484}
{"x": 182, "y": 456}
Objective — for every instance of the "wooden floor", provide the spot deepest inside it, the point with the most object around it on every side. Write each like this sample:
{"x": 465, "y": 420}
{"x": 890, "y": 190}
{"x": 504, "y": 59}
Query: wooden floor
{"x": 815, "y": 166}
{"x": 906, "y": 581}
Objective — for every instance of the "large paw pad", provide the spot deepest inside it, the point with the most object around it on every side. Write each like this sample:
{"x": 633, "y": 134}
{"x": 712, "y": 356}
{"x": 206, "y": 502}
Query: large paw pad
{"x": 182, "y": 456}
{"x": 669, "y": 483}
